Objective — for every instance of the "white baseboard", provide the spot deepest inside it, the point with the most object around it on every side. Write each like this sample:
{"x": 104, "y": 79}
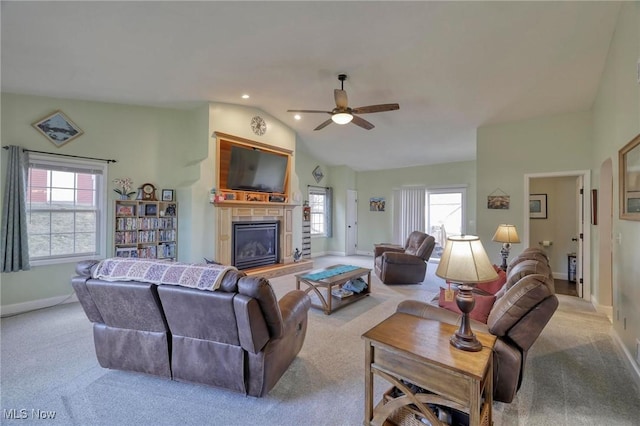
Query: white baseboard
{"x": 19, "y": 308}
{"x": 336, "y": 253}
{"x": 364, "y": 253}
{"x": 319, "y": 254}
{"x": 560, "y": 275}
{"x": 607, "y": 310}
{"x": 635, "y": 368}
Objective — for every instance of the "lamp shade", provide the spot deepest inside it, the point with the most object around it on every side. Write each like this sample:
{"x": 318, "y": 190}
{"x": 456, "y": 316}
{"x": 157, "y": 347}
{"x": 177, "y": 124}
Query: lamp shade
{"x": 342, "y": 117}
{"x": 465, "y": 261}
{"x": 506, "y": 234}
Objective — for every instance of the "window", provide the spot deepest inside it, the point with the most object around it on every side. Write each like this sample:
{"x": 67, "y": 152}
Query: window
{"x": 65, "y": 209}
{"x": 444, "y": 213}
{"x": 320, "y": 204}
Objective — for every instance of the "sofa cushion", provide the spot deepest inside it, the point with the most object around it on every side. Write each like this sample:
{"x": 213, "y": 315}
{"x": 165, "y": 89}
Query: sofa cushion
{"x": 480, "y": 311}
{"x": 524, "y": 268}
{"x": 492, "y": 287}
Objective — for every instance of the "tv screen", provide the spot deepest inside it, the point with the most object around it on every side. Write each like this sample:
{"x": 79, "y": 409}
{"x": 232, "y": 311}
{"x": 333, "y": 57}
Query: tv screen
{"x": 252, "y": 169}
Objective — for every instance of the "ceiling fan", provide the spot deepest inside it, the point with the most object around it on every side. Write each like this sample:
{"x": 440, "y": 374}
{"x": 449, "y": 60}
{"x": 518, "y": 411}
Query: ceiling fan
{"x": 342, "y": 114}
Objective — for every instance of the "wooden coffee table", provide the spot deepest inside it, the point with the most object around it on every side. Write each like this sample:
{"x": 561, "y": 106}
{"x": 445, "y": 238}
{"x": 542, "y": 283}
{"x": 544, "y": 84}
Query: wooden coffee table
{"x": 321, "y": 297}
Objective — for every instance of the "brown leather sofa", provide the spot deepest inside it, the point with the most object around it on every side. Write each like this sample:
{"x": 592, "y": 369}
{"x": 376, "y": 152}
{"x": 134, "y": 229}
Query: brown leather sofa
{"x": 239, "y": 337}
{"x": 395, "y": 264}
{"x": 523, "y": 307}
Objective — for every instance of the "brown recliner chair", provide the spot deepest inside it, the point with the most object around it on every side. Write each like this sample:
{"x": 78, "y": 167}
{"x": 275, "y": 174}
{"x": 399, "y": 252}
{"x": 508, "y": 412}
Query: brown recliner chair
{"x": 404, "y": 265}
{"x": 522, "y": 309}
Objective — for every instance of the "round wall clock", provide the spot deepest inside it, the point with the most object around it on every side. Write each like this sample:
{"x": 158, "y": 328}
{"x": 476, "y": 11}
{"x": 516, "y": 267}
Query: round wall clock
{"x": 258, "y": 125}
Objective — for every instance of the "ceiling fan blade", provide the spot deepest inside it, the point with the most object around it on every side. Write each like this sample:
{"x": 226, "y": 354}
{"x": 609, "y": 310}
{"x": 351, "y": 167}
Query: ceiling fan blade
{"x": 308, "y": 111}
{"x": 375, "y": 108}
{"x": 324, "y": 124}
{"x": 362, "y": 123}
{"x": 341, "y": 98}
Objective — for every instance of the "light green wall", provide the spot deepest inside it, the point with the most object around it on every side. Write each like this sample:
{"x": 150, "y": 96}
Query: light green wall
{"x": 171, "y": 148}
{"x": 342, "y": 178}
{"x": 148, "y": 143}
{"x": 616, "y": 118}
{"x": 377, "y": 227}
{"x": 506, "y": 152}
{"x": 305, "y": 164}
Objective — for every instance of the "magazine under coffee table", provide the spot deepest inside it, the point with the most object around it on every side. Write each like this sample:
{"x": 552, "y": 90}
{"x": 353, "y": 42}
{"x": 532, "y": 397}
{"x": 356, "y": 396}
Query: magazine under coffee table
{"x": 321, "y": 282}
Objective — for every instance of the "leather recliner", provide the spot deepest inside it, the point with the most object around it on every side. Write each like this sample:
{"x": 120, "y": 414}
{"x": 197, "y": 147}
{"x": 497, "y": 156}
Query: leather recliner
{"x": 238, "y": 337}
{"x": 523, "y": 307}
{"x": 404, "y": 265}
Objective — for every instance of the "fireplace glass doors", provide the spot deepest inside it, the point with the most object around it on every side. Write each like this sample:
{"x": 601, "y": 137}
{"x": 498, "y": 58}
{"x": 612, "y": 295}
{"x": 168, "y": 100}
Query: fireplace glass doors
{"x": 255, "y": 244}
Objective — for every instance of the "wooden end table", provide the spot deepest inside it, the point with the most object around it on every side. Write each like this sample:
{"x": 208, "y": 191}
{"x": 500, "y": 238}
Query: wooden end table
{"x": 417, "y": 350}
{"x": 326, "y": 301}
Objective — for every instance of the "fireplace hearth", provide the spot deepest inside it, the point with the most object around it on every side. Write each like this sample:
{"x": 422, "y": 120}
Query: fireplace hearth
{"x": 255, "y": 244}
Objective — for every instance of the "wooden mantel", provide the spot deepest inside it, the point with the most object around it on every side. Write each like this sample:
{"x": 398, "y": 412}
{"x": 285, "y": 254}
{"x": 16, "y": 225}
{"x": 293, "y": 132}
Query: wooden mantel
{"x": 235, "y": 203}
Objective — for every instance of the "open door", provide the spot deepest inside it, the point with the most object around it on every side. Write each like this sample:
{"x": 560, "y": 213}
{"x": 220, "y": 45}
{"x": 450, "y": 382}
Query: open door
{"x": 580, "y": 252}
{"x": 582, "y": 236}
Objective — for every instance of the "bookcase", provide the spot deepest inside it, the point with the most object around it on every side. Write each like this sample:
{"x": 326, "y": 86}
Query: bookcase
{"x": 145, "y": 229}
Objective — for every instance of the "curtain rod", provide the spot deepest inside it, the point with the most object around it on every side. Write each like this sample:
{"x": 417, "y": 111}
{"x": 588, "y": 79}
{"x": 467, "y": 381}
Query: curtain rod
{"x": 317, "y": 186}
{"x": 66, "y": 155}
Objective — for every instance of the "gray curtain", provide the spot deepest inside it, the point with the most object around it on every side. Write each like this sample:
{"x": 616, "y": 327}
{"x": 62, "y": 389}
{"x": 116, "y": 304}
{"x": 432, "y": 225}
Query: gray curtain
{"x": 14, "y": 247}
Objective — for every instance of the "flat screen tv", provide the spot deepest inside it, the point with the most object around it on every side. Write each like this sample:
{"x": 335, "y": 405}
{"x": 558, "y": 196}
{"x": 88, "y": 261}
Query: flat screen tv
{"x": 252, "y": 169}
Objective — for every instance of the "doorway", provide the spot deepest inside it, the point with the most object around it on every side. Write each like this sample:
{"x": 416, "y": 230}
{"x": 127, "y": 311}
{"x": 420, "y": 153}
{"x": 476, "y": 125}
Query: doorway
{"x": 351, "y": 240}
{"x": 564, "y": 231}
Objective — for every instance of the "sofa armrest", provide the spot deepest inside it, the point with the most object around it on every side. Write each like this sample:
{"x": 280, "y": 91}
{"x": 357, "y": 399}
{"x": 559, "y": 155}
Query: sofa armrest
{"x": 402, "y": 259}
{"x": 436, "y": 313}
{"x": 379, "y": 249}
{"x": 294, "y": 307}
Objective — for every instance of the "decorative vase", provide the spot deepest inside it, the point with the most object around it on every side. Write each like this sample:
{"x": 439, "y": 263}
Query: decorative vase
{"x": 124, "y": 197}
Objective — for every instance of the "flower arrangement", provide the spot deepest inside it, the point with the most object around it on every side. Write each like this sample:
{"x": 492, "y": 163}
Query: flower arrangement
{"x": 124, "y": 186}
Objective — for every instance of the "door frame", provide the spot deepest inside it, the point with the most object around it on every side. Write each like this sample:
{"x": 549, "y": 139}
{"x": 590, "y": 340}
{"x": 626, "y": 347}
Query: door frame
{"x": 585, "y": 262}
{"x": 351, "y": 225}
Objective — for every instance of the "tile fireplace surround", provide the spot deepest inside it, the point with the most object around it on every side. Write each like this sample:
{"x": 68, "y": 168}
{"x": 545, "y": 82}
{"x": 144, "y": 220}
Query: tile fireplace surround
{"x": 229, "y": 212}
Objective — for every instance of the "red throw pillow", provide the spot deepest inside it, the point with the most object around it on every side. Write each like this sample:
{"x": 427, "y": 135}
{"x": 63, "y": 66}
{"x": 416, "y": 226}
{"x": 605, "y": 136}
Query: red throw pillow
{"x": 493, "y": 287}
{"x": 480, "y": 311}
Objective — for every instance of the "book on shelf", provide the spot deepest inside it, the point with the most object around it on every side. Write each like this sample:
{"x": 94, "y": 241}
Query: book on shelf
{"x": 341, "y": 293}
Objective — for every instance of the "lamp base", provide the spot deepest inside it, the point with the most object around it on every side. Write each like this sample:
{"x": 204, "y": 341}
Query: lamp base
{"x": 464, "y": 338}
{"x": 465, "y": 343}
{"x": 504, "y": 252}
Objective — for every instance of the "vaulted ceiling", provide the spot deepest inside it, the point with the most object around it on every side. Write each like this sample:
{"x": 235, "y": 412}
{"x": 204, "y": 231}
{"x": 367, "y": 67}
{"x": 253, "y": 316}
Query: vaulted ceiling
{"x": 452, "y": 66}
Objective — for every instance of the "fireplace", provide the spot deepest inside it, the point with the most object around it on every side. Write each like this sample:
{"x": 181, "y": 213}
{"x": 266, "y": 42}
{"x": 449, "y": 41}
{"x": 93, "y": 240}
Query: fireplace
{"x": 255, "y": 244}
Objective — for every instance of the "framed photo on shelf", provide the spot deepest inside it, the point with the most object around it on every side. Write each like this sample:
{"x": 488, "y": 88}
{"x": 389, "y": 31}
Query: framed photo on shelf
{"x": 150, "y": 209}
{"x": 171, "y": 210}
{"x": 125, "y": 210}
{"x": 537, "y": 206}
{"x": 58, "y": 128}
{"x": 167, "y": 195}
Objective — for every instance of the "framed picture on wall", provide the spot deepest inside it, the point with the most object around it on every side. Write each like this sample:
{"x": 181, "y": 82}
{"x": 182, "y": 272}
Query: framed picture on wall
{"x": 57, "y": 128}
{"x": 537, "y": 206}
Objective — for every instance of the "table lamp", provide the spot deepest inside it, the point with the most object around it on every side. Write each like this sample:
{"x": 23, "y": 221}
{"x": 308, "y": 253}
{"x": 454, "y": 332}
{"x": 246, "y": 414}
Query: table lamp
{"x": 506, "y": 234}
{"x": 465, "y": 262}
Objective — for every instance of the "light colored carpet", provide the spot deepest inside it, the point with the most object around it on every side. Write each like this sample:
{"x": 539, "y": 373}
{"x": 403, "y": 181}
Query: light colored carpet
{"x": 575, "y": 374}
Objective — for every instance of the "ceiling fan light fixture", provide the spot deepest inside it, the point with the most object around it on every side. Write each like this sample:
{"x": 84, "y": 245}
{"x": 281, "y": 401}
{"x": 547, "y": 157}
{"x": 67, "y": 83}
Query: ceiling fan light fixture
{"x": 342, "y": 118}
